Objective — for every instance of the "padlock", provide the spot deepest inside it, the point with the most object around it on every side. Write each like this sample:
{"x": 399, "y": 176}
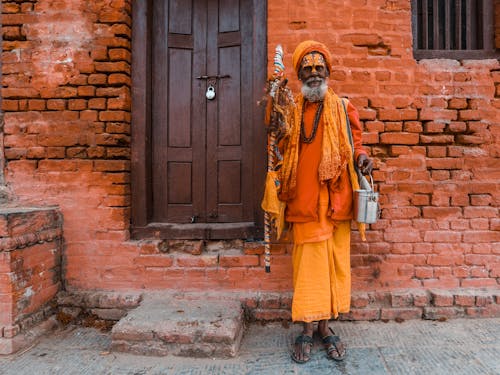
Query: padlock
{"x": 210, "y": 94}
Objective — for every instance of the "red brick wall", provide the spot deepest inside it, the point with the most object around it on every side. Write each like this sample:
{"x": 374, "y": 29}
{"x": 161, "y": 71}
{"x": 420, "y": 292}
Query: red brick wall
{"x": 429, "y": 125}
{"x": 66, "y": 97}
{"x": 431, "y": 128}
{"x": 30, "y": 269}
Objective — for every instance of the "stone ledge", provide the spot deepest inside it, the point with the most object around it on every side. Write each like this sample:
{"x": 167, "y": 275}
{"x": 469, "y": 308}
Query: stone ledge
{"x": 272, "y": 306}
{"x": 22, "y": 227}
{"x": 100, "y": 299}
{"x": 28, "y": 239}
{"x": 30, "y": 245}
{"x": 164, "y": 324}
{"x": 10, "y": 345}
{"x": 28, "y": 322}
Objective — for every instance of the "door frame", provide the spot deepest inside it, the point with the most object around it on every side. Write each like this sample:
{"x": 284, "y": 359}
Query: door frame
{"x": 141, "y": 182}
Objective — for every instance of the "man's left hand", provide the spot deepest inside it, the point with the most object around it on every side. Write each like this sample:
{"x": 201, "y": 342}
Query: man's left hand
{"x": 365, "y": 164}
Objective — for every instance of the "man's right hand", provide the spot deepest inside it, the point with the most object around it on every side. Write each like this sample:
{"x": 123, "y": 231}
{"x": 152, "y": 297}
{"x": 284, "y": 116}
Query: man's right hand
{"x": 365, "y": 164}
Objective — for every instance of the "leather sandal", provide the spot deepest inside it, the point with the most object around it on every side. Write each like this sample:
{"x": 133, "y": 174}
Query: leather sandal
{"x": 305, "y": 342}
{"x": 335, "y": 349}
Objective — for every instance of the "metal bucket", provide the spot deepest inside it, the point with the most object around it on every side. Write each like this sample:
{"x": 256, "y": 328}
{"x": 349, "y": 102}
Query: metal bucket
{"x": 366, "y": 208}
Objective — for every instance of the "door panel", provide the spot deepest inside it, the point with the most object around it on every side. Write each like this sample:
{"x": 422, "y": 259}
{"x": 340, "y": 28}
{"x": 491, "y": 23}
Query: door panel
{"x": 180, "y": 16}
{"x": 228, "y": 16}
{"x": 229, "y": 98}
{"x": 198, "y": 146}
{"x": 179, "y": 87}
{"x": 226, "y": 145}
{"x": 177, "y": 129}
{"x": 201, "y": 155}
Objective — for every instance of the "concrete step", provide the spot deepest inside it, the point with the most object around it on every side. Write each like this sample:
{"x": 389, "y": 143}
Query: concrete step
{"x": 166, "y": 324}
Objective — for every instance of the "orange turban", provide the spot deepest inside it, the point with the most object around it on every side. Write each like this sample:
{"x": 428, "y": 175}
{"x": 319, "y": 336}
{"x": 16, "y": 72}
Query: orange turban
{"x": 309, "y": 46}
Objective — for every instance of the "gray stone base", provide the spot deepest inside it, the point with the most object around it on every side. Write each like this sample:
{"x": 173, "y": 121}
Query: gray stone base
{"x": 165, "y": 324}
{"x": 27, "y": 338}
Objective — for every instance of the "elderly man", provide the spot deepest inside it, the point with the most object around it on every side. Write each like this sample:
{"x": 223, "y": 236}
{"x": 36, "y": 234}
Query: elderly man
{"x": 317, "y": 183}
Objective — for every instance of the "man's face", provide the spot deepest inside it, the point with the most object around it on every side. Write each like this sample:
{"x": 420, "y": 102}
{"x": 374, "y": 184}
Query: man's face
{"x": 313, "y": 70}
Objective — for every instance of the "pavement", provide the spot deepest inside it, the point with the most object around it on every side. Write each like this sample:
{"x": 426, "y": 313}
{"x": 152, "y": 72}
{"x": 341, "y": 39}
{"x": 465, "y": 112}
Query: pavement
{"x": 458, "y": 346}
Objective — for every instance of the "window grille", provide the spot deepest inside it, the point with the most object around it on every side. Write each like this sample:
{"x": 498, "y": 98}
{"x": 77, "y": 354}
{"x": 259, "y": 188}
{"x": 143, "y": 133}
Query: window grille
{"x": 457, "y": 29}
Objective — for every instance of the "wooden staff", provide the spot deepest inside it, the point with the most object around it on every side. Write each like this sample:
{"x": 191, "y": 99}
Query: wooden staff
{"x": 275, "y": 88}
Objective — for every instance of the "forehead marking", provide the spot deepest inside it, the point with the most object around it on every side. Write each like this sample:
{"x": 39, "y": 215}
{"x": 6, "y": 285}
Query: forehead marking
{"x": 313, "y": 59}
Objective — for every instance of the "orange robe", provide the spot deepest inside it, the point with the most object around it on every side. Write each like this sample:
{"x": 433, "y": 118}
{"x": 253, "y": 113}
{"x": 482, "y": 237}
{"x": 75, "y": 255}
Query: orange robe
{"x": 321, "y": 215}
{"x": 304, "y": 206}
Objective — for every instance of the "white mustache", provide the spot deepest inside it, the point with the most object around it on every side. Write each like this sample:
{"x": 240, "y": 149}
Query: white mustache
{"x": 314, "y": 79}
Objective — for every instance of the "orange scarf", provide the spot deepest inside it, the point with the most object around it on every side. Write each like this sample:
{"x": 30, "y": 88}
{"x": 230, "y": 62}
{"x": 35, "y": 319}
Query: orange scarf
{"x": 336, "y": 150}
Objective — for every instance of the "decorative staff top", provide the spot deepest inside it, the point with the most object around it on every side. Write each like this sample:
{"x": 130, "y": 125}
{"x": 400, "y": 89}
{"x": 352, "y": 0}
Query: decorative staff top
{"x": 279, "y": 70}
{"x": 279, "y": 67}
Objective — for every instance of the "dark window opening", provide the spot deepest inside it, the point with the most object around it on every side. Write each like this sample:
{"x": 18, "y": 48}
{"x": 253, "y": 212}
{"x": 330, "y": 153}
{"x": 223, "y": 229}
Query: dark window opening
{"x": 455, "y": 29}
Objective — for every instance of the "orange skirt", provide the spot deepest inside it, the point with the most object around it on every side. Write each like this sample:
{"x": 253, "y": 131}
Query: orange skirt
{"x": 322, "y": 276}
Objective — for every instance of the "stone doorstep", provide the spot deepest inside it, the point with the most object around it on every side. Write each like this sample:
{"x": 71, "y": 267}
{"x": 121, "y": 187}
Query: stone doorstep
{"x": 179, "y": 326}
{"x": 27, "y": 338}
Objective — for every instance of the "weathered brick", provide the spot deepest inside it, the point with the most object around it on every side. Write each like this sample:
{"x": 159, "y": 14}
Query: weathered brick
{"x": 112, "y": 67}
{"x": 109, "y": 314}
{"x": 56, "y": 104}
{"x": 487, "y": 212}
{"x": 11, "y": 331}
{"x": 399, "y": 138}
{"x": 401, "y": 299}
{"x": 441, "y": 298}
{"x": 401, "y": 313}
{"x": 457, "y": 103}
{"x": 154, "y": 261}
{"x": 97, "y": 79}
{"x": 464, "y": 299}
{"x": 205, "y": 260}
{"x": 77, "y": 104}
{"x": 119, "y": 79}
{"x": 361, "y": 314}
{"x": 438, "y": 139}
{"x": 359, "y": 300}
{"x": 117, "y": 54}
{"x": 489, "y": 311}
{"x": 442, "y": 236}
{"x": 87, "y": 91}
{"x": 484, "y": 299}
{"x": 271, "y": 314}
{"x": 438, "y": 114}
{"x": 114, "y": 116}
{"x": 437, "y": 313}
{"x": 420, "y": 298}
{"x": 238, "y": 260}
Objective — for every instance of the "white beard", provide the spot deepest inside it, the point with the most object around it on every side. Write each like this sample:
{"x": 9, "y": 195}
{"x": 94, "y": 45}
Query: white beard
{"x": 314, "y": 94}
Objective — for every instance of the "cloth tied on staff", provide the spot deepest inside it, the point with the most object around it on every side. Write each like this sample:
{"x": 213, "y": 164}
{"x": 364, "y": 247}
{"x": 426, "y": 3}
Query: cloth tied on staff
{"x": 280, "y": 102}
{"x": 271, "y": 203}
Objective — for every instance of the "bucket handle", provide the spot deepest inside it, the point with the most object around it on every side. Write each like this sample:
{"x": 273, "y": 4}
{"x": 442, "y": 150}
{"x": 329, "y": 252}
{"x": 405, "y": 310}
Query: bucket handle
{"x": 363, "y": 182}
{"x": 371, "y": 180}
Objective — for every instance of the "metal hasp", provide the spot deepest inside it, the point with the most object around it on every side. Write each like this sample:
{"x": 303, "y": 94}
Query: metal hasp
{"x": 211, "y": 84}
{"x": 218, "y": 76}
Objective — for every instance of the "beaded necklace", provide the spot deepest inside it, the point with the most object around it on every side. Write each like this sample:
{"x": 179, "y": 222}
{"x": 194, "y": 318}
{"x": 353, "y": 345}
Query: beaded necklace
{"x": 317, "y": 116}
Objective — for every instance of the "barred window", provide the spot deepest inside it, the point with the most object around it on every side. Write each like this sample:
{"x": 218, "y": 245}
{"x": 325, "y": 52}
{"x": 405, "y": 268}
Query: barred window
{"x": 454, "y": 29}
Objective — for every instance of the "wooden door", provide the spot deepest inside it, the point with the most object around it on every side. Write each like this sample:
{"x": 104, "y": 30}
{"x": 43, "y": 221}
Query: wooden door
{"x": 202, "y": 154}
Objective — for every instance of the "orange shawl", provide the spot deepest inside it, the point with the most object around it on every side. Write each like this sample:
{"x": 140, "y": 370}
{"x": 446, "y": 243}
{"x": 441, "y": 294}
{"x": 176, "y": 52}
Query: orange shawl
{"x": 336, "y": 150}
